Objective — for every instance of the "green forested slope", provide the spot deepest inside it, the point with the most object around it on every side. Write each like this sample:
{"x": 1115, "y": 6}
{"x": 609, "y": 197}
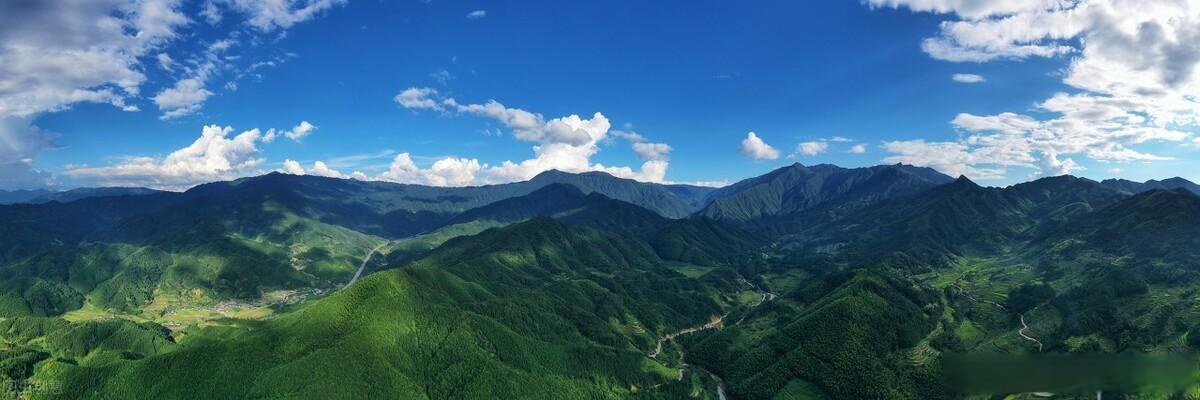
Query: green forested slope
{"x": 540, "y": 309}
{"x": 795, "y": 194}
{"x": 832, "y": 283}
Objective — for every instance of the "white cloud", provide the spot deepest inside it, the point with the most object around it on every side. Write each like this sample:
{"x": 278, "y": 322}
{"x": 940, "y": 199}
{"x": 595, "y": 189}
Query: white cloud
{"x": 449, "y": 171}
{"x": 531, "y": 127}
{"x": 210, "y": 12}
{"x": 301, "y": 130}
{"x": 857, "y": 149}
{"x": 644, "y": 150}
{"x": 320, "y": 169}
{"x": 189, "y": 94}
{"x": 967, "y": 78}
{"x": 840, "y": 139}
{"x": 269, "y": 15}
{"x": 418, "y": 99}
{"x": 184, "y": 98}
{"x": 1050, "y": 165}
{"x": 812, "y": 148}
{"x": 951, "y": 158}
{"x": 403, "y": 170}
{"x": 477, "y": 14}
{"x": 564, "y": 143}
{"x": 756, "y": 149}
{"x": 59, "y": 53}
{"x": 304, "y": 128}
{"x": 452, "y": 172}
{"x": 158, "y": 18}
{"x": 54, "y": 54}
{"x": 292, "y": 167}
{"x": 651, "y": 151}
{"x": 1132, "y": 77}
{"x": 165, "y": 61}
{"x": 213, "y": 156}
{"x": 631, "y": 136}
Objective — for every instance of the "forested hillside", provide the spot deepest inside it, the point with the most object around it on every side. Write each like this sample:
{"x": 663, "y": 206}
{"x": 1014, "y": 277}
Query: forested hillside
{"x": 808, "y": 282}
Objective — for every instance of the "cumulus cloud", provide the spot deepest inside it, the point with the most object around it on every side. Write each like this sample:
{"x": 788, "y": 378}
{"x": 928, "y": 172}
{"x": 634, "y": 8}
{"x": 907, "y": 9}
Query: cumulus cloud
{"x": 812, "y": 148}
{"x": 320, "y": 169}
{"x": 967, "y": 78}
{"x": 211, "y": 157}
{"x": 48, "y": 69}
{"x": 59, "y": 53}
{"x": 184, "y": 98}
{"x": 565, "y": 143}
{"x": 1050, "y": 165}
{"x": 300, "y": 131}
{"x": 651, "y": 151}
{"x": 756, "y": 149}
{"x": 449, "y": 171}
{"x": 292, "y": 167}
{"x": 1131, "y": 73}
{"x": 418, "y": 99}
{"x": 951, "y": 158}
{"x": 304, "y": 128}
{"x": 642, "y": 148}
{"x": 857, "y": 149}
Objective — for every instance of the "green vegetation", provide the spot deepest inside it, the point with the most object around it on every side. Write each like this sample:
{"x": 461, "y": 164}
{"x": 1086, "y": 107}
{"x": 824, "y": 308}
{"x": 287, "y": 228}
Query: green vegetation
{"x": 540, "y": 309}
{"x": 819, "y": 282}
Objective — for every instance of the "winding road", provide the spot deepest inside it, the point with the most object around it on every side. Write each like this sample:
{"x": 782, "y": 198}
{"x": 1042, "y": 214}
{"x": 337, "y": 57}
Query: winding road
{"x": 715, "y": 322}
{"x": 363, "y": 266}
{"x": 1025, "y": 327}
{"x": 683, "y": 364}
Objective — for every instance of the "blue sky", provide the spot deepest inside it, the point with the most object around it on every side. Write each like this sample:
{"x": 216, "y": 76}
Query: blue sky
{"x": 858, "y": 83}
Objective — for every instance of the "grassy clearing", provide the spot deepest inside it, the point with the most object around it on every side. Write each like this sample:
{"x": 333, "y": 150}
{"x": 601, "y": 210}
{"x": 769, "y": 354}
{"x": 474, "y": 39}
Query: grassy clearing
{"x": 691, "y": 270}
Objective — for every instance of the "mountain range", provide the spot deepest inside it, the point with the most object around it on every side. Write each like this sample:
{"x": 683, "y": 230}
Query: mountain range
{"x": 806, "y": 282}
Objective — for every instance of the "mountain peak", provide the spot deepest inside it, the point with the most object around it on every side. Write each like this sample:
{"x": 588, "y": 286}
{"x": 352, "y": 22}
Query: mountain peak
{"x": 1135, "y": 187}
{"x": 549, "y": 174}
{"x": 556, "y": 173}
{"x": 559, "y": 188}
{"x": 964, "y": 180}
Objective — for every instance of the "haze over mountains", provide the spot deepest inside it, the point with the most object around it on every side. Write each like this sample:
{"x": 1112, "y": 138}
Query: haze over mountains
{"x": 808, "y": 282}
